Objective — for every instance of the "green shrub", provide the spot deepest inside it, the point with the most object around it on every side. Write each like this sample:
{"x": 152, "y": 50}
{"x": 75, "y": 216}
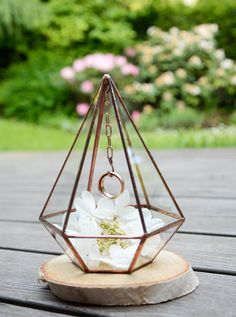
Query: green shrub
{"x": 33, "y": 89}
{"x": 20, "y": 24}
{"x": 86, "y": 26}
{"x": 167, "y": 13}
{"x": 233, "y": 118}
{"x": 182, "y": 119}
{"x": 184, "y": 69}
{"x": 177, "y": 118}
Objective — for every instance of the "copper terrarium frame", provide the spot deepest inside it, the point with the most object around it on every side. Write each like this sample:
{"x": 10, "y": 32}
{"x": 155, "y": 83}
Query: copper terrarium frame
{"x": 108, "y": 91}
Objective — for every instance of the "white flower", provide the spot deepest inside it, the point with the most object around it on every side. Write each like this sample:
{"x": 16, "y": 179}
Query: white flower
{"x": 206, "y": 30}
{"x": 219, "y": 54}
{"x": 181, "y": 73}
{"x": 145, "y": 88}
{"x": 203, "y": 81}
{"x": 110, "y": 217}
{"x": 195, "y": 60}
{"x": 206, "y": 45}
{"x": 227, "y": 63}
{"x": 167, "y": 96}
{"x": 166, "y": 78}
{"x": 192, "y": 89}
{"x": 220, "y": 72}
{"x": 233, "y": 80}
{"x": 178, "y": 51}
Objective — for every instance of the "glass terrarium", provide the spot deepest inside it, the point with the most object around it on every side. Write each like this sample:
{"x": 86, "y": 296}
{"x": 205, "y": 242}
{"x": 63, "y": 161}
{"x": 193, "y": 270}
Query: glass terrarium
{"x": 110, "y": 208}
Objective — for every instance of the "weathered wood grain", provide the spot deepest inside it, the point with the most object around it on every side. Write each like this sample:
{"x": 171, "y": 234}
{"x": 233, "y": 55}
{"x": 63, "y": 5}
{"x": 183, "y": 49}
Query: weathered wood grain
{"x": 202, "y": 173}
{"x": 169, "y": 277}
{"x": 203, "y": 182}
{"x": 7, "y": 310}
{"x": 216, "y": 216}
{"x": 208, "y": 253}
{"x": 18, "y": 281}
{"x": 206, "y": 175}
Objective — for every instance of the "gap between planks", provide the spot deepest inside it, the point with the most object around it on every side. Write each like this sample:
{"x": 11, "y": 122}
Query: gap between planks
{"x": 179, "y": 231}
{"x": 22, "y": 289}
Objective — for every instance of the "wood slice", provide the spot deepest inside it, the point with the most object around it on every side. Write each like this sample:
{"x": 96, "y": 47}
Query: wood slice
{"x": 168, "y": 277}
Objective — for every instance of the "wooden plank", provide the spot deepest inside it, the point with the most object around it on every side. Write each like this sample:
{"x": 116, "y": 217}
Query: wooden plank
{"x": 208, "y": 253}
{"x": 7, "y": 310}
{"x": 201, "y": 173}
{"x": 215, "y": 296}
{"x": 26, "y": 179}
{"x": 215, "y": 216}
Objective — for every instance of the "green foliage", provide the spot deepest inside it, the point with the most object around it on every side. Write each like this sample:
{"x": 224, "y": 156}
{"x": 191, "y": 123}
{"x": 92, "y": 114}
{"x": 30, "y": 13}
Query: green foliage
{"x": 34, "y": 88}
{"x": 168, "y": 13}
{"x": 20, "y": 22}
{"x": 180, "y": 69}
{"x": 92, "y": 22}
{"x": 224, "y": 14}
{"x": 233, "y": 118}
{"x": 184, "y": 118}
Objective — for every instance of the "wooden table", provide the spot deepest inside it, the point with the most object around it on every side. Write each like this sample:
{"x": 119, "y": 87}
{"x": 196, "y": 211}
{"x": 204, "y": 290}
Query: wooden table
{"x": 204, "y": 183}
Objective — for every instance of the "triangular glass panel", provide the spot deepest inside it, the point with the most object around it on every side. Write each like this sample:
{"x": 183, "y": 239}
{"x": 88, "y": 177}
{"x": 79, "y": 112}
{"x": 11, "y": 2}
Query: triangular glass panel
{"x": 110, "y": 208}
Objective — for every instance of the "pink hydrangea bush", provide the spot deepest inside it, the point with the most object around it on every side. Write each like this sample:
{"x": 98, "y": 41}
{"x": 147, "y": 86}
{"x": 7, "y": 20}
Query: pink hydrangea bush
{"x": 84, "y": 75}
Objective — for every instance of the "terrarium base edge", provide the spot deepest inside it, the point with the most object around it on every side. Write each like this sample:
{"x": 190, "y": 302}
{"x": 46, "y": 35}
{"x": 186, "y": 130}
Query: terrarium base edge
{"x": 168, "y": 277}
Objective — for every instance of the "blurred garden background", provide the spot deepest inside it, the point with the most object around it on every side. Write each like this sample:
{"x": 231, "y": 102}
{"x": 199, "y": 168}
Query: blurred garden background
{"x": 174, "y": 62}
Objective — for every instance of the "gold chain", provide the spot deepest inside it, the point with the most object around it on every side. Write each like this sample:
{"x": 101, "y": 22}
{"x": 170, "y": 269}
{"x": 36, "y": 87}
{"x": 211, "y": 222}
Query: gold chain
{"x": 108, "y": 130}
{"x": 109, "y": 135}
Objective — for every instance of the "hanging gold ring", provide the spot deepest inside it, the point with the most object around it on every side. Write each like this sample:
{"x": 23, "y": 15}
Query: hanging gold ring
{"x": 102, "y": 189}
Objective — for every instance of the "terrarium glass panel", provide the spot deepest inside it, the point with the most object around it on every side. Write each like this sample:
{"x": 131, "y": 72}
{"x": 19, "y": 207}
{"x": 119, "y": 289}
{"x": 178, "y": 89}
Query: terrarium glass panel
{"x": 110, "y": 203}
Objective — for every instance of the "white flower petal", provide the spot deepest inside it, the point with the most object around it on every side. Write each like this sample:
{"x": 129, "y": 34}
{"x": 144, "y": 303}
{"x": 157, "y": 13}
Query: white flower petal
{"x": 105, "y": 203}
{"x": 122, "y": 257}
{"x": 89, "y": 226}
{"x": 133, "y": 228}
{"x": 89, "y": 200}
{"x": 123, "y": 200}
{"x": 104, "y": 214}
{"x": 147, "y": 214}
{"x": 105, "y": 209}
{"x": 119, "y": 258}
{"x": 81, "y": 206}
{"x": 128, "y": 213}
{"x": 88, "y": 250}
{"x": 154, "y": 224}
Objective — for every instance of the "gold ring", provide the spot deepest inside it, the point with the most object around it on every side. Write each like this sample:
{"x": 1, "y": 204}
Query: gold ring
{"x": 101, "y": 186}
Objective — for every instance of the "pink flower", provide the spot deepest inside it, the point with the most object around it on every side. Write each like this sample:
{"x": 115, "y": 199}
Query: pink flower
{"x": 86, "y": 86}
{"x": 67, "y": 73}
{"x": 130, "y": 69}
{"x": 131, "y": 52}
{"x": 101, "y": 62}
{"x": 82, "y": 108}
{"x": 135, "y": 115}
{"x": 79, "y": 65}
{"x": 90, "y": 60}
{"x": 120, "y": 60}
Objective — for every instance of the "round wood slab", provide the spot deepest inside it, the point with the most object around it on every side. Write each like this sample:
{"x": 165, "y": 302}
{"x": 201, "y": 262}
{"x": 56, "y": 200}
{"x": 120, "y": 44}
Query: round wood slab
{"x": 168, "y": 277}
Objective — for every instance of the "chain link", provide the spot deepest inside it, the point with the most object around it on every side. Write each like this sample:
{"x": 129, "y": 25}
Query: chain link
{"x": 108, "y": 130}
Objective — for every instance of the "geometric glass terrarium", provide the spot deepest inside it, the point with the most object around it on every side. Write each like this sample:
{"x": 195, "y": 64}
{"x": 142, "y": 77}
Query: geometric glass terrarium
{"x": 110, "y": 208}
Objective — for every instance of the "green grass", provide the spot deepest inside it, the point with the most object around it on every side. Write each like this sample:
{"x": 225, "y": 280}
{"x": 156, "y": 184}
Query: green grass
{"x": 18, "y": 136}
